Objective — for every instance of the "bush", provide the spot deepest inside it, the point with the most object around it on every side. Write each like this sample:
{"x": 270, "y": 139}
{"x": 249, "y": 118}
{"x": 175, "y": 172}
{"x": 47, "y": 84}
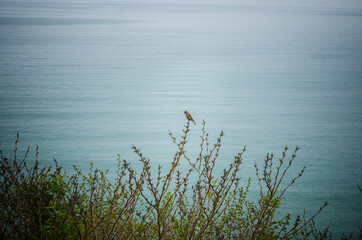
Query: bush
{"x": 47, "y": 203}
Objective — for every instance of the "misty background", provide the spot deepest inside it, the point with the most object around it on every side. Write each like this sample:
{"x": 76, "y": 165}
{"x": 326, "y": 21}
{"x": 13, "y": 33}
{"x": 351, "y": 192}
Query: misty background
{"x": 85, "y": 80}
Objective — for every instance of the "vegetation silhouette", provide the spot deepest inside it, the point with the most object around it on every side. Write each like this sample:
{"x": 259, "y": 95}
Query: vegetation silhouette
{"x": 49, "y": 203}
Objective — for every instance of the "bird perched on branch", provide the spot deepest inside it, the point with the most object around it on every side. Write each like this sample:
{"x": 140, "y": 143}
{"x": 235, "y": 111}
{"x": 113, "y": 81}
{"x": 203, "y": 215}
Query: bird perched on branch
{"x": 189, "y": 117}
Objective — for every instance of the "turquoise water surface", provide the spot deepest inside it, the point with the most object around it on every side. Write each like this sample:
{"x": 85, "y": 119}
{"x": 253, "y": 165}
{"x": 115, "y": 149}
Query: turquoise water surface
{"x": 85, "y": 81}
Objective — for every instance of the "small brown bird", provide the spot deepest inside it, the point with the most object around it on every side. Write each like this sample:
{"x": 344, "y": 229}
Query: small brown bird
{"x": 189, "y": 117}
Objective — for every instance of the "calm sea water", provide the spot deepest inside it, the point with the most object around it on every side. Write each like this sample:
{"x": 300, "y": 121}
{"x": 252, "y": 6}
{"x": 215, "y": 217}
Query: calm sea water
{"x": 86, "y": 81}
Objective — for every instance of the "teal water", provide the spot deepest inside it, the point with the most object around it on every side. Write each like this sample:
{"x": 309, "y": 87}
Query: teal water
{"x": 85, "y": 81}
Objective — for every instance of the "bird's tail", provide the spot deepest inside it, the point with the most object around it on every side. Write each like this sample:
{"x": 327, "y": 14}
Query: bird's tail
{"x": 193, "y": 122}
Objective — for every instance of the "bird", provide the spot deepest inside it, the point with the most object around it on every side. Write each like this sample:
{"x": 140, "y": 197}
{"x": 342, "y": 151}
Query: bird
{"x": 189, "y": 117}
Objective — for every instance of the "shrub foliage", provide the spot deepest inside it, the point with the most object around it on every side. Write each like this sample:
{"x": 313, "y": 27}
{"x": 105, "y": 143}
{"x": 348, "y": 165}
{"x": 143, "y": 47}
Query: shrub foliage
{"x": 48, "y": 203}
